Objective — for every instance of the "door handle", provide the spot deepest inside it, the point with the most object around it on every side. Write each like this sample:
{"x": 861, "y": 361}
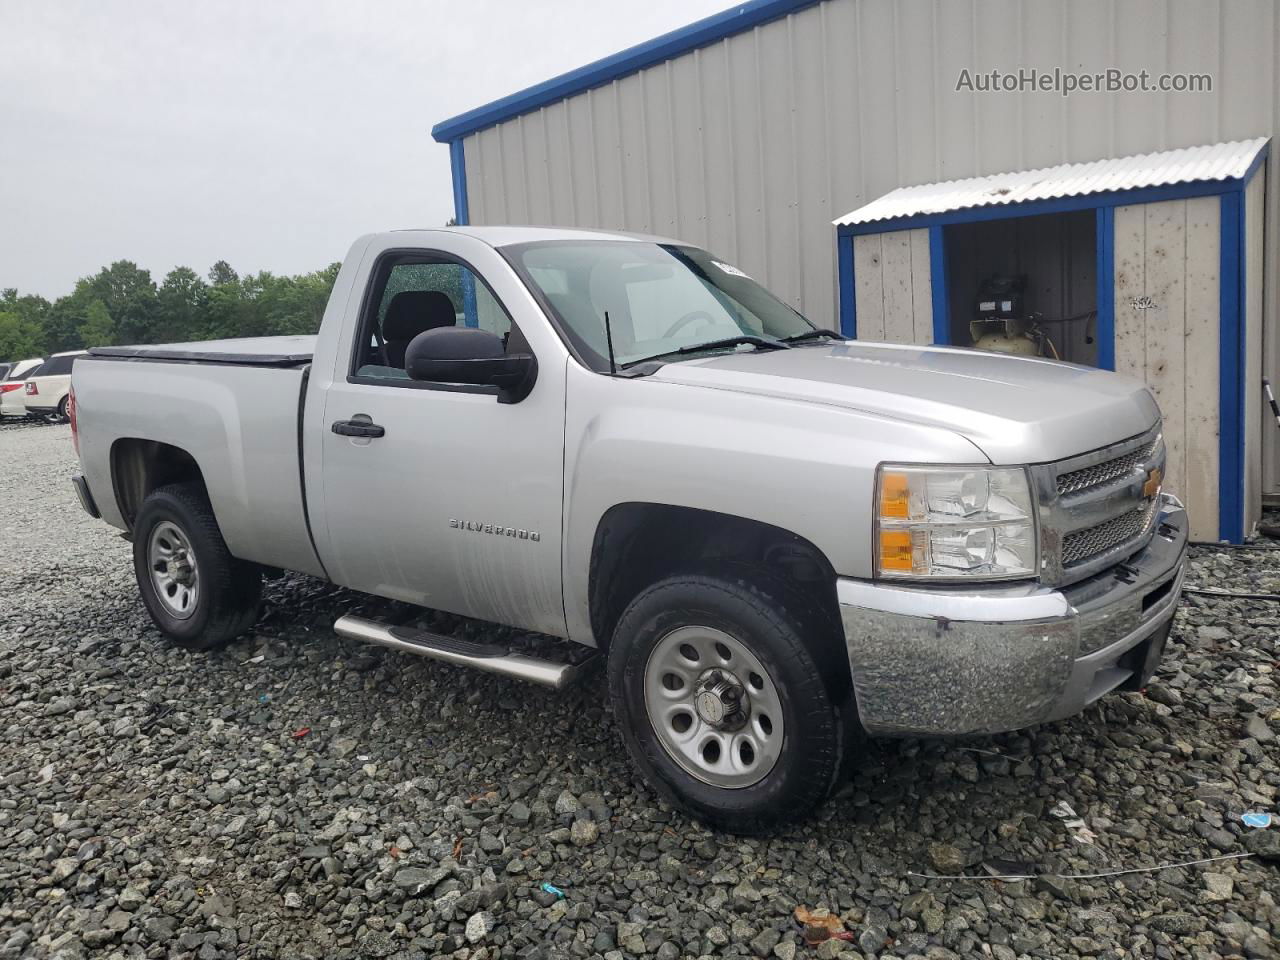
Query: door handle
{"x": 358, "y": 428}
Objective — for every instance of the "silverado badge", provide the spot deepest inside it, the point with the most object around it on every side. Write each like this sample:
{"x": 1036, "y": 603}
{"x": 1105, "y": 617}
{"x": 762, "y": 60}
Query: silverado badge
{"x": 497, "y": 529}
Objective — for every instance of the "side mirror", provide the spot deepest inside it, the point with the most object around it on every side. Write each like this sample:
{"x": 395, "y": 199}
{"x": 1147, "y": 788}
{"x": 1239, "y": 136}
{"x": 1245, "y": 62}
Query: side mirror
{"x": 471, "y": 356}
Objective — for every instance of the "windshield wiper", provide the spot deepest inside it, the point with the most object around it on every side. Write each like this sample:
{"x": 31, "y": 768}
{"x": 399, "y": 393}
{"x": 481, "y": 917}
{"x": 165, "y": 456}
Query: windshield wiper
{"x": 759, "y": 343}
{"x": 813, "y": 335}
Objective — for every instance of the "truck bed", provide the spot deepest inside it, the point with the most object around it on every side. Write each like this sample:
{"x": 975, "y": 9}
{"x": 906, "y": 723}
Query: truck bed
{"x": 234, "y": 407}
{"x": 246, "y": 352}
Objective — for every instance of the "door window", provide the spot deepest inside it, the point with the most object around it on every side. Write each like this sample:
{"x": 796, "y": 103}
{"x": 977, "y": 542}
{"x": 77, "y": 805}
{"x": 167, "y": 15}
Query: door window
{"x": 415, "y": 294}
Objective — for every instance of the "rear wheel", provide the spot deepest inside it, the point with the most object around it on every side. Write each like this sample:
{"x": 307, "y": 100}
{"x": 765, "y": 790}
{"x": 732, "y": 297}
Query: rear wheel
{"x": 722, "y": 703}
{"x": 197, "y": 593}
{"x": 62, "y": 415}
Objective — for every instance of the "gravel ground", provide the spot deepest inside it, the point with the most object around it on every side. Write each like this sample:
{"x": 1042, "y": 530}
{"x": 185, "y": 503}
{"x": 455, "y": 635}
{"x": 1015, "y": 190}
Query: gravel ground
{"x": 297, "y": 795}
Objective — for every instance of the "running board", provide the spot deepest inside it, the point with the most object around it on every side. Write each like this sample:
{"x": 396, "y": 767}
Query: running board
{"x": 487, "y": 657}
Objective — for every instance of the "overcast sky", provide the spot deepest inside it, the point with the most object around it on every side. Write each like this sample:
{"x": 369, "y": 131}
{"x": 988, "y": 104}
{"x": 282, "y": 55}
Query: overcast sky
{"x": 266, "y": 134}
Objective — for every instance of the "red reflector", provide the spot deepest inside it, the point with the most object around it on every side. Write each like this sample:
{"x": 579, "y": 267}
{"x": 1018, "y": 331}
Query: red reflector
{"x": 71, "y": 415}
{"x": 9, "y": 387}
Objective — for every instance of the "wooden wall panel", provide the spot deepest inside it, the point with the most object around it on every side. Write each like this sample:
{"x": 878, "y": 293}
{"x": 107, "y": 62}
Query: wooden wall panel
{"x": 1130, "y": 287}
{"x": 1204, "y": 236}
{"x": 1167, "y": 334}
{"x": 1164, "y": 320}
{"x": 892, "y": 286}
{"x": 868, "y": 287}
{"x": 921, "y": 287}
{"x": 895, "y": 260}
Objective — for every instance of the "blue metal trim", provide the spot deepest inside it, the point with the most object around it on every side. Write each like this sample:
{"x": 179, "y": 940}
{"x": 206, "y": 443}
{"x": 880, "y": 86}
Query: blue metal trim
{"x": 940, "y": 291}
{"x": 848, "y": 307}
{"x": 1244, "y": 391}
{"x": 458, "y": 167}
{"x": 737, "y": 19}
{"x": 1031, "y": 208}
{"x": 1105, "y": 253}
{"x": 1230, "y": 374}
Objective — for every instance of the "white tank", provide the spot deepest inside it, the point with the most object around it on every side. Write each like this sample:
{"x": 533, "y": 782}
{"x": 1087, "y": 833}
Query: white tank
{"x": 1004, "y": 336}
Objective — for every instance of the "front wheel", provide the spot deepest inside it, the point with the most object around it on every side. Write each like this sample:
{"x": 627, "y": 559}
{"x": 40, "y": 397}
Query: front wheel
{"x": 197, "y": 593}
{"x": 723, "y": 704}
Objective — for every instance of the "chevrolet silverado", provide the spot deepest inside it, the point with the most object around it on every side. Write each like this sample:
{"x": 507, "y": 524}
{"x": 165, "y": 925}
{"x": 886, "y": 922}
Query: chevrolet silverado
{"x": 775, "y": 538}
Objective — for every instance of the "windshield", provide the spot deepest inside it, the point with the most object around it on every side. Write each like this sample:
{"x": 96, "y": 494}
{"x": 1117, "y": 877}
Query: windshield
{"x": 660, "y": 298}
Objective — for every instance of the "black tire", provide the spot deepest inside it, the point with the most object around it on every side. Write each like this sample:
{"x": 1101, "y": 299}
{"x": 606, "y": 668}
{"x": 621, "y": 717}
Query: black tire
{"x": 814, "y": 738}
{"x": 230, "y": 590}
{"x": 62, "y": 415}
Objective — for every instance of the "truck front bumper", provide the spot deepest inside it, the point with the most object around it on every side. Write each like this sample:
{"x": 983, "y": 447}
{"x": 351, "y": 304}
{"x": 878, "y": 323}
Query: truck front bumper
{"x": 982, "y": 660}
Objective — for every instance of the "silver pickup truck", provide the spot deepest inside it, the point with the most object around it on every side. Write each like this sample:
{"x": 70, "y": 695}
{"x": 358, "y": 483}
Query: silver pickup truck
{"x": 772, "y": 536}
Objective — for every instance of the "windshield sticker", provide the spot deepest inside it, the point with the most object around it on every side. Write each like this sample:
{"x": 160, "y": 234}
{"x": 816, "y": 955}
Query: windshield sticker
{"x": 730, "y": 269}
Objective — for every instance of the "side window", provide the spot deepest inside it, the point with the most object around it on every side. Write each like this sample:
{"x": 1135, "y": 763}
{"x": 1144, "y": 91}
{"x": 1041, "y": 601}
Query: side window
{"x": 416, "y": 294}
{"x": 53, "y": 367}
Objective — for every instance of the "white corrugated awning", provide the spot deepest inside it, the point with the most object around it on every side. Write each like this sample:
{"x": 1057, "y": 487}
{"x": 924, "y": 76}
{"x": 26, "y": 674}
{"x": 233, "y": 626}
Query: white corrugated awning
{"x": 1221, "y": 161}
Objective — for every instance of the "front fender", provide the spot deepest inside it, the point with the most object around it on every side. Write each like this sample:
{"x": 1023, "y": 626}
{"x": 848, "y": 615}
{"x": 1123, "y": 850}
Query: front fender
{"x": 808, "y": 468}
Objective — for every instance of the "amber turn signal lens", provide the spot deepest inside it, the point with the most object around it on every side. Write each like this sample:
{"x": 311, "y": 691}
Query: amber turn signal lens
{"x": 893, "y": 496}
{"x": 895, "y": 550}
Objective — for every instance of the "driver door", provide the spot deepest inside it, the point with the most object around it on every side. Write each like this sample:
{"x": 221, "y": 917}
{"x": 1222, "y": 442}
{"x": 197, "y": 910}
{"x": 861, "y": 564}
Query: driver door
{"x": 456, "y": 504}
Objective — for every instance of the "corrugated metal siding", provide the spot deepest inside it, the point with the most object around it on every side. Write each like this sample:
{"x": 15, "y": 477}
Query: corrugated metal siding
{"x": 1219, "y": 161}
{"x": 753, "y": 145}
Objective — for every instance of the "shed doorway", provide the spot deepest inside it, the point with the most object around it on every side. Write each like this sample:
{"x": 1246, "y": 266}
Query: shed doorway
{"x": 1030, "y": 277}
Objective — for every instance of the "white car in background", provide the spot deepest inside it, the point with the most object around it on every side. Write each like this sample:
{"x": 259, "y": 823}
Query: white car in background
{"x": 46, "y": 389}
{"x": 12, "y": 388}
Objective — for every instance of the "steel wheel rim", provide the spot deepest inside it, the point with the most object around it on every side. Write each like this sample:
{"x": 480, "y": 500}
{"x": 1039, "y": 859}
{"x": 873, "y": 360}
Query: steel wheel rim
{"x": 174, "y": 574}
{"x": 738, "y": 747}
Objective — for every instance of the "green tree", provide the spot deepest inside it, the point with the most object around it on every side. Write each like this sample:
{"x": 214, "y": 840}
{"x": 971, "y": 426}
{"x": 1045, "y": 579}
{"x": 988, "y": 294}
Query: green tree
{"x": 98, "y": 329}
{"x": 32, "y": 313}
{"x": 122, "y": 304}
{"x": 221, "y": 274}
{"x": 19, "y": 339}
{"x": 129, "y": 294}
{"x": 65, "y": 317}
{"x": 182, "y": 301}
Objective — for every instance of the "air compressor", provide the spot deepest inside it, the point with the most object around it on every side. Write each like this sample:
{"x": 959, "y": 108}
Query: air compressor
{"x": 1001, "y": 323}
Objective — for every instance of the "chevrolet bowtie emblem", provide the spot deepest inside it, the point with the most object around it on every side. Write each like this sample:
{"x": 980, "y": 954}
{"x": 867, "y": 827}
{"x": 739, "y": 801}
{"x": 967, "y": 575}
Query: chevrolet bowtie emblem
{"x": 1152, "y": 485}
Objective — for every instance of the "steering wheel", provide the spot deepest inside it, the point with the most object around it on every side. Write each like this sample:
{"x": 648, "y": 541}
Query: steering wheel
{"x": 687, "y": 319}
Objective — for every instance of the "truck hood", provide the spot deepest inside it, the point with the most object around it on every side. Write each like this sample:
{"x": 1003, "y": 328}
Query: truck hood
{"x": 1014, "y": 409}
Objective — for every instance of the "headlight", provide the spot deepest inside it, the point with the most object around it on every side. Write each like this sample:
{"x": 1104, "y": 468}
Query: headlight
{"x": 954, "y": 523}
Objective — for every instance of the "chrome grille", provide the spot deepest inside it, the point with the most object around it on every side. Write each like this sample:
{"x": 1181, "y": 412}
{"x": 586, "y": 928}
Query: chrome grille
{"x": 1093, "y": 511}
{"x": 1084, "y": 545}
{"x": 1109, "y": 471}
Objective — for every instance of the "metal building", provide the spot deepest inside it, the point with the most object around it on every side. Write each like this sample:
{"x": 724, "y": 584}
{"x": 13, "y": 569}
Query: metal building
{"x": 752, "y": 132}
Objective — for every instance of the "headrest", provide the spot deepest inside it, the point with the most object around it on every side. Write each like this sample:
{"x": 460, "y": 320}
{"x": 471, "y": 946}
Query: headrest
{"x": 413, "y": 311}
